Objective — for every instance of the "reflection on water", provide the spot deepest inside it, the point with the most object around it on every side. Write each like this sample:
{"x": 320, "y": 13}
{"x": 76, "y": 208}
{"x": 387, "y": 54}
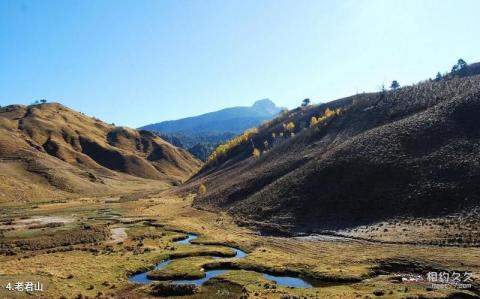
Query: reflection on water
{"x": 142, "y": 277}
{"x": 187, "y": 240}
{"x": 287, "y": 281}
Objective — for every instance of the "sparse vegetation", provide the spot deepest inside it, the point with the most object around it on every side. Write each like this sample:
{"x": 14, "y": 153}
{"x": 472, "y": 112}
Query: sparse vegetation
{"x": 377, "y": 133}
{"x": 328, "y": 113}
{"x": 223, "y": 149}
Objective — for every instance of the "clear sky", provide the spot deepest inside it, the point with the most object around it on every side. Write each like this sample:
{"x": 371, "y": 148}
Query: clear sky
{"x": 138, "y": 62}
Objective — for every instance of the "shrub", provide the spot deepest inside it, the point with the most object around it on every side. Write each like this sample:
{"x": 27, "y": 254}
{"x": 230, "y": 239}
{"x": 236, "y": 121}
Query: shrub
{"x": 290, "y": 126}
{"x": 202, "y": 189}
{"x": 166, "y": 289}
{"x": 256, "y": 153}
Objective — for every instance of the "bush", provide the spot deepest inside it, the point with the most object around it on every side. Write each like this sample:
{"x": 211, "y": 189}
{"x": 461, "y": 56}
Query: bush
{"x": 256, "y": 153}
{"x": 202, "y": 189}
{"x": 290, "y": 126}
{"x": 166, "y": 289}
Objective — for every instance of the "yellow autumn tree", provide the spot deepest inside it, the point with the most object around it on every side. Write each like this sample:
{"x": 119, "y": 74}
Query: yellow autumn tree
{"x": 289, "y": 126}
{"x": 202, "y": 189}
{"x": 256, "y": 153}
{"x": 224, "y": 149}
{"x": 328, "y": 113}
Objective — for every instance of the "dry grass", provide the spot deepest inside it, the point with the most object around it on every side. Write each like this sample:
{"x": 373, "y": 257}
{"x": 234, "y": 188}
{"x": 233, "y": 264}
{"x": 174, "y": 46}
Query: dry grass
{"x": 146, "y": 245}
{"x": 50, "y": 151}
{"x": 458, "y": 229}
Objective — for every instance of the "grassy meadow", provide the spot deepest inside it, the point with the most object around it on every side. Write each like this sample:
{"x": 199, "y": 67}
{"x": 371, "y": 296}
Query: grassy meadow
{"x": 87, "y": 248}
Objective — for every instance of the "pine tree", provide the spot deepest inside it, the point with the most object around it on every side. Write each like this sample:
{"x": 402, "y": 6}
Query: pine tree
{"x": 395, "y": 85}
{"x": 306, "y": 102}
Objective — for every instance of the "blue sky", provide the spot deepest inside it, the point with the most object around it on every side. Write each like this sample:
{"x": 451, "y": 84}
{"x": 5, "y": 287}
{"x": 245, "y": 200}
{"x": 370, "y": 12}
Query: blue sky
{"x": 138, "y": 62}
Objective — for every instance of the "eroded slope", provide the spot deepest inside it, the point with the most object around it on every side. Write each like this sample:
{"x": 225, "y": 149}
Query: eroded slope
{"x": 410, "y": 152}
{"x": 49, "y": 149}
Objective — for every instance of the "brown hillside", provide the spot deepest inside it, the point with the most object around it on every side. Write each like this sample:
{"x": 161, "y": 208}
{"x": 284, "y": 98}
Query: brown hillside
{"x": 48, "y": 148}
{"x": 413, "y": 152}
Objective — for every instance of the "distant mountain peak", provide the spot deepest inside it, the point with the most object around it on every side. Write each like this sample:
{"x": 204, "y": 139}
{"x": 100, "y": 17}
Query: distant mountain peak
{"x": 264, "y": 102}
{"x": 265, "y": 105}
{"x": 202, "y": 133}
{"x": 229, "y": 120}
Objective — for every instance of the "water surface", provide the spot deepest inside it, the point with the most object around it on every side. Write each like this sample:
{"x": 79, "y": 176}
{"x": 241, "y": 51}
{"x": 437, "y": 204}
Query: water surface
{"x": 287, "y": 281}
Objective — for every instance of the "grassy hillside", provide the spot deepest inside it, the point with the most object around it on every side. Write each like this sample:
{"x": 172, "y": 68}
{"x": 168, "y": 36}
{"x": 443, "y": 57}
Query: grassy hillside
{"x": 412, "y": 152}
{"x": 49, "y": 150}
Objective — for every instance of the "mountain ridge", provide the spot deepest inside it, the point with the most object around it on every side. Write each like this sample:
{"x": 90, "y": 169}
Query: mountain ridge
{"x": 386, "y": 154}
{"x": 202, "y": 133}
{"x": 64, "y": 150}
{"x": 221, "y": 120}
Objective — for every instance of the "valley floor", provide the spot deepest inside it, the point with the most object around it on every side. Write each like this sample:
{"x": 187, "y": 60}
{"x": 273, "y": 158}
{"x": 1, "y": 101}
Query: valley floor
{"x": 89, "y": 247}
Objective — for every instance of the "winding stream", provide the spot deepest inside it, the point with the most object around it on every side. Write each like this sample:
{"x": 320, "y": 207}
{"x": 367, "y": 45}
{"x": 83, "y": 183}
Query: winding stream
{"x": 287, "y": 281}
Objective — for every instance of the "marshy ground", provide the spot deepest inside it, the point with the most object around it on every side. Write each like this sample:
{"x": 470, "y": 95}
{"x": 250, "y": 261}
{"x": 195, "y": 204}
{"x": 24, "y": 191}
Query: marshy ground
{"x": 90, "y": 246}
